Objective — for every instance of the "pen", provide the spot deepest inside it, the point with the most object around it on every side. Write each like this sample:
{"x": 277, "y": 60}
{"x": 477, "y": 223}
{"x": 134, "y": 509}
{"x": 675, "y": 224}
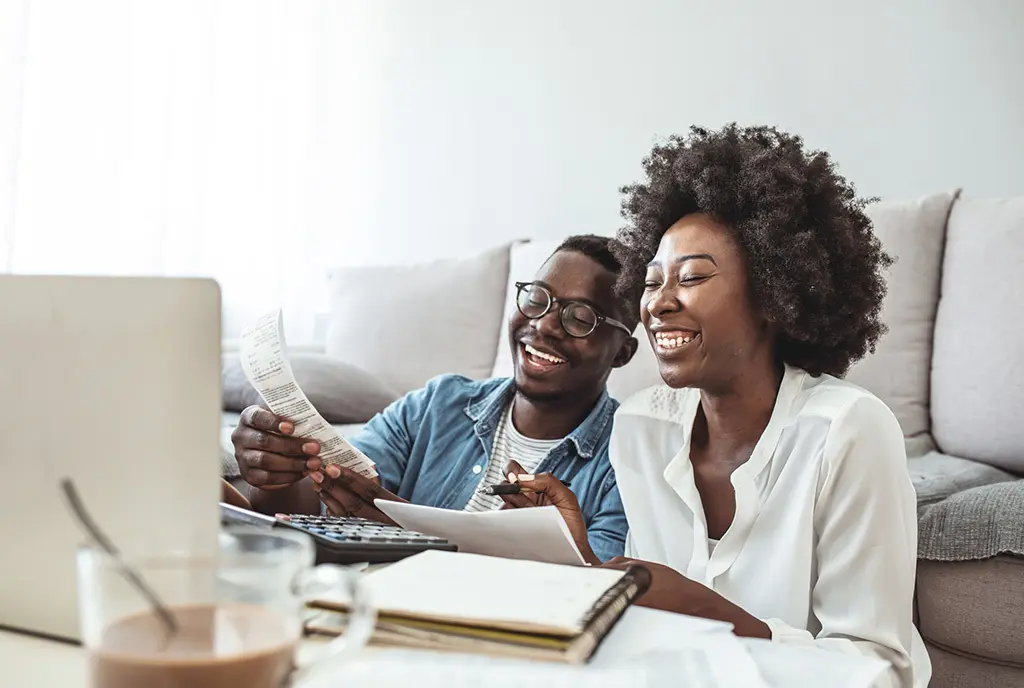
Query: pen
{"x": 508, "y": 488}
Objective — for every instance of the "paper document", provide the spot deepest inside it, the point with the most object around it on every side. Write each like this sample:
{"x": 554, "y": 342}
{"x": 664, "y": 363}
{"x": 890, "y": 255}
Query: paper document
{"x": 265, "y": 362}
{"x": 538, "y": 534}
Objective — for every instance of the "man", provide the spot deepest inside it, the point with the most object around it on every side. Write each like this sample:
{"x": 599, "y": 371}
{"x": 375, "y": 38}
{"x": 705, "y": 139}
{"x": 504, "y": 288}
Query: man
{"x": 442, "y": 445}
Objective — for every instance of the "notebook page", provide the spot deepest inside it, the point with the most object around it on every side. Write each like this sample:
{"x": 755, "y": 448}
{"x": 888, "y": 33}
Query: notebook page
{"x": 490, "y": 591}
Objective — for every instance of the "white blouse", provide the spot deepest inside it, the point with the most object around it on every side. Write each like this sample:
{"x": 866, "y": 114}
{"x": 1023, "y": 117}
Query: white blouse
{"x": 823, "y": 546}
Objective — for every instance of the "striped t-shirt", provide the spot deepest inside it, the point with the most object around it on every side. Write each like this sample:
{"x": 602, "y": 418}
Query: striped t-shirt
{"x": 508, "y": 444}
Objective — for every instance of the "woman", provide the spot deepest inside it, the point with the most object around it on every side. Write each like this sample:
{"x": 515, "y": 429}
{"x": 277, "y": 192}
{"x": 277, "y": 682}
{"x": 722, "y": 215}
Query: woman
{"x": 762, "y": 489}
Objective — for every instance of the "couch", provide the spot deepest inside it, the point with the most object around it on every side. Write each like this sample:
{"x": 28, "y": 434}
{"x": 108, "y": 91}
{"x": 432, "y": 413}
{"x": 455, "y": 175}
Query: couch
{"x": 945, "y": 368}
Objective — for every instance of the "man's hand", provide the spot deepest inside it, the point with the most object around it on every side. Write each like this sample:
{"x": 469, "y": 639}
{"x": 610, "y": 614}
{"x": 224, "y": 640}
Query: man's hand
{"x": 268, "y": 456}
{"x": 346, "y": 493}
{"x": 544, "y": 489}
{"x": 671, "y": 591}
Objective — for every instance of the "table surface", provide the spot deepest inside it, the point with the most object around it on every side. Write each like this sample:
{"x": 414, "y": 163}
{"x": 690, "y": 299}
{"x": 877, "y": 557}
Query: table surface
{"x": 670, "y": 640}
{"x": 33, "y": 661}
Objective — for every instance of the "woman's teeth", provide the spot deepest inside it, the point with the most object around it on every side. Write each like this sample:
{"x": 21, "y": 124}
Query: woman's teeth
{"x": 540, "y": 354}
{"x": 672, "y": 340}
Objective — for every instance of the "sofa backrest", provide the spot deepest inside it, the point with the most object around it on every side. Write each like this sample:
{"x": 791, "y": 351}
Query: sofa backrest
{"x": 977, "y": 379}
{"x": 913, "y": 232}
{"x": 969, "y": 395}
{"x": 422, "y": 321}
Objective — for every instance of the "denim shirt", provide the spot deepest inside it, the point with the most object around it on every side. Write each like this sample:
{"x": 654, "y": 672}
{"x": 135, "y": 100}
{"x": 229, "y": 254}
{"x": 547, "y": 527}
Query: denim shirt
{"x": 432, "y": 446}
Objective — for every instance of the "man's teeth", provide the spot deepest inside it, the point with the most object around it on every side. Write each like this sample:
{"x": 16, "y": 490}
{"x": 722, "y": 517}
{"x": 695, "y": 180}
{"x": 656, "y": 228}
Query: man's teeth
{"x": 670, "y": 340}
{"x": 540, "y": 354}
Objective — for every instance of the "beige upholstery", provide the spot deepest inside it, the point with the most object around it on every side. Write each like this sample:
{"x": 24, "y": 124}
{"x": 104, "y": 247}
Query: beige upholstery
{"x": 958, "y": 670}
{"x": 937, "y": 476}
{"x": 913, "y": 233}
{"x": 408, "y": 323}
{"x": 966, "y": 607}
{"x": 978, "y": 363}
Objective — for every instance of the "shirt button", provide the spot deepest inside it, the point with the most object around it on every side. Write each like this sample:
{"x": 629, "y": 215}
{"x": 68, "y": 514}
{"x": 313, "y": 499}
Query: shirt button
{"x": 477, "y": 469}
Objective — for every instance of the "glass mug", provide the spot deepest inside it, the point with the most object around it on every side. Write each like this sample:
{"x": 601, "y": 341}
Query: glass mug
{"x": 239, "y": 614}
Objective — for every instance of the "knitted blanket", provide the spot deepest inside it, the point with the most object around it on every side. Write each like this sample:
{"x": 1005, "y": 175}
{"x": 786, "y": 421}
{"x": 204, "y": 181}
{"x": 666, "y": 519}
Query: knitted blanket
{"x": 974, "y": 524}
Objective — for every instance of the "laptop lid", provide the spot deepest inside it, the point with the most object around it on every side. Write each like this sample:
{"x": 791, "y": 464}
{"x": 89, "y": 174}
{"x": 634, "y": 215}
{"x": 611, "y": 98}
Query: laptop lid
{"x": 115, "y": 383}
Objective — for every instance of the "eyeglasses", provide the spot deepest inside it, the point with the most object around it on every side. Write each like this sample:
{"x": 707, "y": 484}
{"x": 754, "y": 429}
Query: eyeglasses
{"x": 578, "y": 319}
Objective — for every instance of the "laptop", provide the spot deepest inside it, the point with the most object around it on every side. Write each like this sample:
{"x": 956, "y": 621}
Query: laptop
{"x": 113, "y": 382}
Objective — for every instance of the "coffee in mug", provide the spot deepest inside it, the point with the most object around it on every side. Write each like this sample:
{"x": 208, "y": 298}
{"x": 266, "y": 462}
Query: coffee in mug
{"x": 237, "y": 615}
{"x": 215, "y": 646}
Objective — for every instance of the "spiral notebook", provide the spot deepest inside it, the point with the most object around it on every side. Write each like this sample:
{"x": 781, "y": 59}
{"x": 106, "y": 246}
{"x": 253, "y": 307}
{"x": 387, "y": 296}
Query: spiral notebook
{"x": 450, "y": 601}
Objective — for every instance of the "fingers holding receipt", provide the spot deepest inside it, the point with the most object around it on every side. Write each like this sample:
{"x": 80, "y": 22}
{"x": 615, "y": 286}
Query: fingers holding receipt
{"x": 264, "y": 360}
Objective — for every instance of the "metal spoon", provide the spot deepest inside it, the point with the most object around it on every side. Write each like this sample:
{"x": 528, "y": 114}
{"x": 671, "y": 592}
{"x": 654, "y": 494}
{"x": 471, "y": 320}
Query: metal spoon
{"x": 129, "y": 573}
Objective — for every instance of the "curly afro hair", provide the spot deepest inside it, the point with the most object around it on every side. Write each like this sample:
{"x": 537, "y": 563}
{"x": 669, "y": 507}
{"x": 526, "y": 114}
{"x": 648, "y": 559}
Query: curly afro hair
{"x": 815, "y": 265}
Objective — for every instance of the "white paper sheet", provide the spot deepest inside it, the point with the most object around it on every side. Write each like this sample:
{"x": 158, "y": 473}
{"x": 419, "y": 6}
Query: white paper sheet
{"x": 537, "y": 534}
{"x": 265, "y": 363}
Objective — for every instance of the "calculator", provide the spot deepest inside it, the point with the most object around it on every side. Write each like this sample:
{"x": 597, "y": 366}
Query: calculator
{"x": 344, "y": 539}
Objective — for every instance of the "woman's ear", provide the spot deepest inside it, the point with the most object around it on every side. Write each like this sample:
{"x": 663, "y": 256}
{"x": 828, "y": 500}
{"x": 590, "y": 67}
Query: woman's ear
{"x": 625, "y": 352}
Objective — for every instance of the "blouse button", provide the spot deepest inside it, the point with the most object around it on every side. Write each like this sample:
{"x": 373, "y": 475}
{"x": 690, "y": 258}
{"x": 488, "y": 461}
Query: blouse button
{"x": 477, "y": 469}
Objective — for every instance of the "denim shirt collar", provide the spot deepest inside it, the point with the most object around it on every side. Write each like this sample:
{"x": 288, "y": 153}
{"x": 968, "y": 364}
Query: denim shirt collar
{"x": 485, "y": 412}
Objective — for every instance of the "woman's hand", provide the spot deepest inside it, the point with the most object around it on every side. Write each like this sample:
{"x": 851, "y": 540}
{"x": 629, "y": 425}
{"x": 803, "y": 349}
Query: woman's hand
{"x": 545, "y": 489}
{"x": 671, "y": 591}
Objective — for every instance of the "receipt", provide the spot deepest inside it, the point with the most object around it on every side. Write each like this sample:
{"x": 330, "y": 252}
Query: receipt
{"x": 265, "y": 362}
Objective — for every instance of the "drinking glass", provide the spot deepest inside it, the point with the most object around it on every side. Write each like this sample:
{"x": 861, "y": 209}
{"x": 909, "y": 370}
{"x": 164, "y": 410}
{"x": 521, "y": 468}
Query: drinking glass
{"x": 238, "y": 612}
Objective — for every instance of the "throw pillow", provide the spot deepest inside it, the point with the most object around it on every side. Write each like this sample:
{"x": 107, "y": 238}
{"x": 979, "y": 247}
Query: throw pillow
{"x": 977, "y": 378}
{"x": 409, "y": 323}
{"x": 340, "y": 391}
{"x": 913, "y": 232}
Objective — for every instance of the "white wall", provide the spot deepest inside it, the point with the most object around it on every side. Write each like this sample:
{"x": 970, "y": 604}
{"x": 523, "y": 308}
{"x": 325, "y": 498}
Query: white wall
{"x": 475, "y": 122}
{"x": 264, "y": 141}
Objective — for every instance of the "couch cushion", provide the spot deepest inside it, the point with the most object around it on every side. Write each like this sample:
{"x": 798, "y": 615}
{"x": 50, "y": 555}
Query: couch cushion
{"x": 977, "y": 377}
{"x": 341, "y": 392}
{"x": 913, "y": 232}
{"x": 962, "y": 670}
{"x": 525, "y": 260}
{"x": 409, "y": 323}
{"x": 937, "y": 476}
{"x": 974, "y": 607}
